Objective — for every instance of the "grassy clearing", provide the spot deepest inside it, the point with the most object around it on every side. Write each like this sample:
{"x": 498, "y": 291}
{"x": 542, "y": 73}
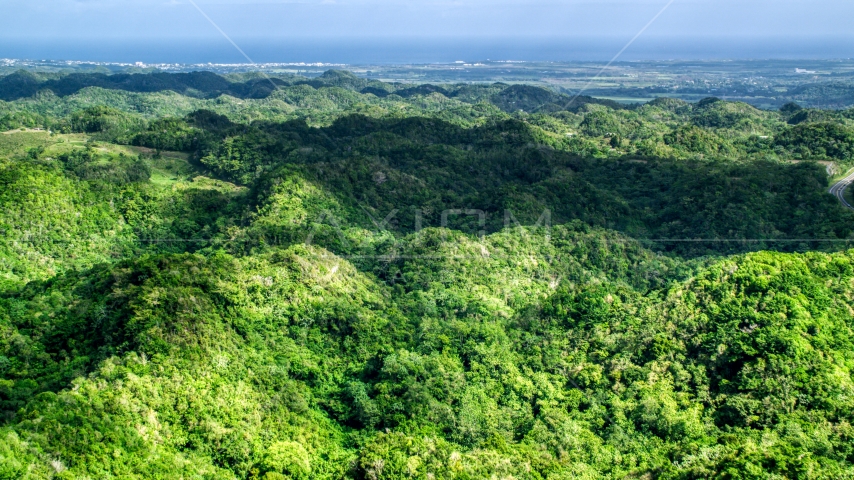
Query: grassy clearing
{"x": 18, "y": 142}
{"x": 167, "y": 171}
{"x": 206, "y": 183}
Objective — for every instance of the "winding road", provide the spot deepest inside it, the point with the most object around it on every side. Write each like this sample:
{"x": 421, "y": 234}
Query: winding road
{"x": 838, "y": 190}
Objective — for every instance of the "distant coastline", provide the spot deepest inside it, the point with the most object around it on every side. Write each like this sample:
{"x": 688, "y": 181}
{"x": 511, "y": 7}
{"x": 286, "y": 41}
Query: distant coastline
{"x": 391, "y": 50}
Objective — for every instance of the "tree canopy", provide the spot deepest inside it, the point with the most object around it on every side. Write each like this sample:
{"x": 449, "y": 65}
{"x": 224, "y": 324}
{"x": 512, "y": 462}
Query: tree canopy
{"x": 336, "y": 278}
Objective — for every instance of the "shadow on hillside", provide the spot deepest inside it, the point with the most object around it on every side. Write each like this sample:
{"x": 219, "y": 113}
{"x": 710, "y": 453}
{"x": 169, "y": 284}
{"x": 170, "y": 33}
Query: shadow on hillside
{"x": 691, "y": 207}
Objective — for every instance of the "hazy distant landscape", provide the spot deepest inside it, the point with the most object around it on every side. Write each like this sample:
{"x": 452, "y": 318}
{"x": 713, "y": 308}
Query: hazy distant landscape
{"x": 765, "y": 84}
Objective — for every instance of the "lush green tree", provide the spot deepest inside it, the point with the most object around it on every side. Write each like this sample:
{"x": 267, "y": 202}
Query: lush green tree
{"x": 336, "y": 278}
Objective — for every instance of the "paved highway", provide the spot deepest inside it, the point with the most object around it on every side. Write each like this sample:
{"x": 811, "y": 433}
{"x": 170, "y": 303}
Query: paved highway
{"x": 838, "y": 190}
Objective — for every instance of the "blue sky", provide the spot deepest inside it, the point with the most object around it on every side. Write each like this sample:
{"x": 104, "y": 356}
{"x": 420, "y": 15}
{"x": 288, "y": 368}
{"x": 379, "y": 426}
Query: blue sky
{"x": 385, "y": 31}
{"x": 64, "y": 19}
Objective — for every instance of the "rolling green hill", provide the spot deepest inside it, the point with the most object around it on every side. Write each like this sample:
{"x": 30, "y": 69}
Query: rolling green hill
{"x": 344, "y": 279}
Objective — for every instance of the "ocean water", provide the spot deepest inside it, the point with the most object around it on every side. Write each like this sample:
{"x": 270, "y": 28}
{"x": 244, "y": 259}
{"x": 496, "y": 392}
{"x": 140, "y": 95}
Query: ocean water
{"x": 355, "y": 51}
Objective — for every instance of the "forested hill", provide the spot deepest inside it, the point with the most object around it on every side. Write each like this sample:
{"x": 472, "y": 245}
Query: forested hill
{"x": 24, "y": 84}
{"x": 335, "y": 278}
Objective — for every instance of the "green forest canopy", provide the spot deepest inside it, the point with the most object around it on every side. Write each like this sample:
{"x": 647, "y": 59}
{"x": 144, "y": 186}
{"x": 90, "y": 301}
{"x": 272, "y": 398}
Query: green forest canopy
{"x": 206, "y": 277}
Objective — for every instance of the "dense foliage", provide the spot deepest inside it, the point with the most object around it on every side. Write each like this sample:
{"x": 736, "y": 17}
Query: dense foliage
{"x": 209, "y": 277}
